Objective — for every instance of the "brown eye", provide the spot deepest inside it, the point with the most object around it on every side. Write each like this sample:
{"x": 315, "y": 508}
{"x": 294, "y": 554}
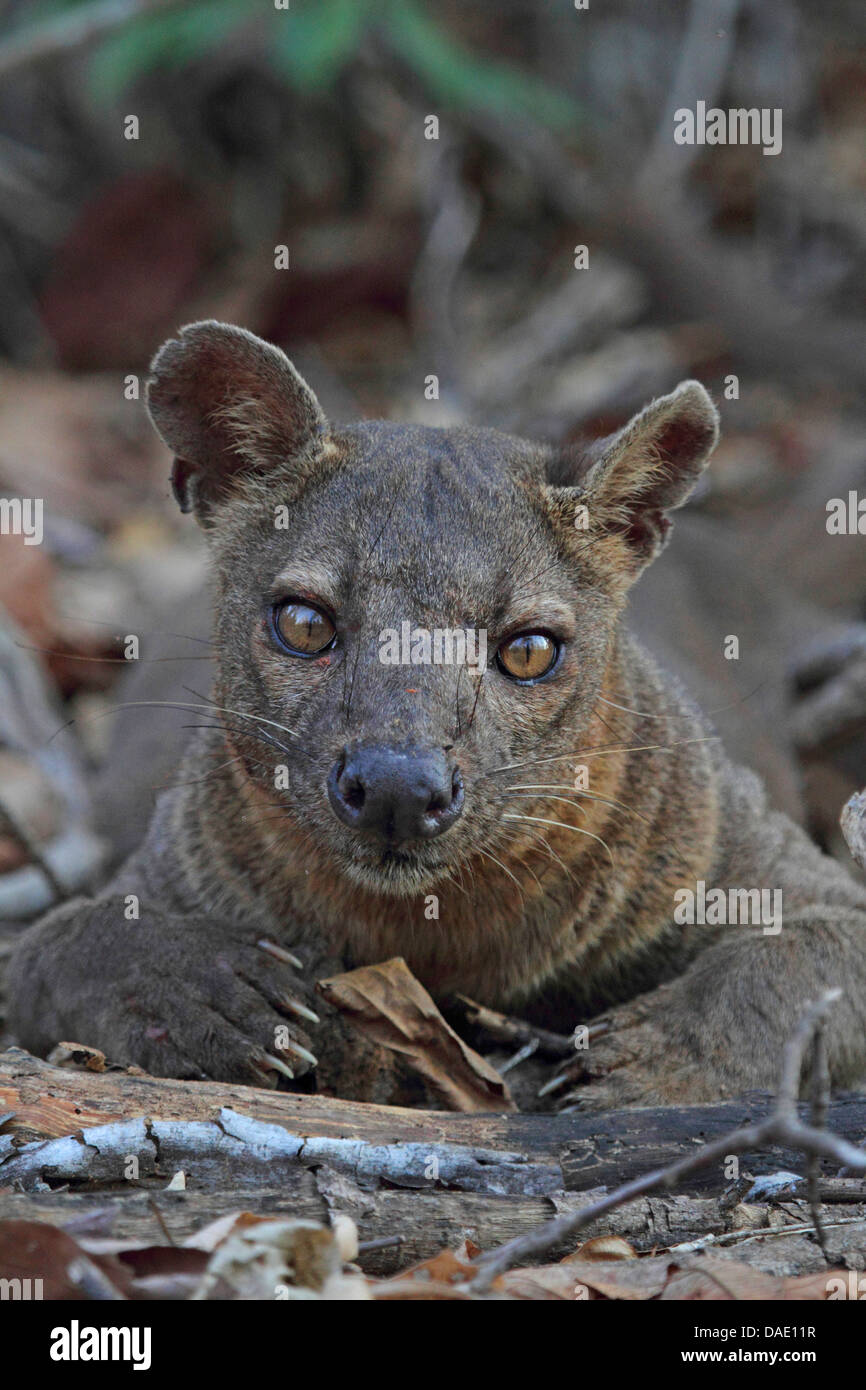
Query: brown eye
{"x": 302, "y": 629}
{"x": 528, "y": 656}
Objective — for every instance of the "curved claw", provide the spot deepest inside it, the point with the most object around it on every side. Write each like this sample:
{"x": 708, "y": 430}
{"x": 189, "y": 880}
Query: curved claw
{"x": 554, "y": 1084}
{"x": 576, "y": 1065}
{"x": 296, "y": 1007}
{"x": 577, "y": 1103}
{"x": 300, "y": 1052}
{"x": 279, "y": 953}
{"x": 276, "y": 1064}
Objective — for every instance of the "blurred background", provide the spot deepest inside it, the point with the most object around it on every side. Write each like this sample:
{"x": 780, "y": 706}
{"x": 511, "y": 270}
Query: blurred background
{"x": 430, "y": 169}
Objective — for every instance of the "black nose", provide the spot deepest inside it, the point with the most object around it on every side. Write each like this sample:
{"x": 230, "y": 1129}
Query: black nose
{"x": 396, "y": 794}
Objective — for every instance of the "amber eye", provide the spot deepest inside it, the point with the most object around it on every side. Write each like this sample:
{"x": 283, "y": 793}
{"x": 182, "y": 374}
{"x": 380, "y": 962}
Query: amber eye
{"x": 528, "y": 656}
{"x": 302, "y": 629}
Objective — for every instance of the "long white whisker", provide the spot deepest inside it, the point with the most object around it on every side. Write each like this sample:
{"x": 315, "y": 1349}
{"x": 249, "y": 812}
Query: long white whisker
{"x": 505, "y": 870}
{"x": 539, "y": 834}
{"x": 531, "y": 796}
{"x": 596, "y": 752}
{"x": 645, "y": 714}
{"x": 562, "y": 825}
{"x": 452, "y": 880}
{"x": 174, "y": 704}
{"x": 576, "y": 791}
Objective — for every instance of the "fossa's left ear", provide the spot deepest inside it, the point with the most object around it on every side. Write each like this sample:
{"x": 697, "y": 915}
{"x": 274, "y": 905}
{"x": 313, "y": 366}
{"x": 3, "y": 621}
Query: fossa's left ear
{"x": 643, "y": 472}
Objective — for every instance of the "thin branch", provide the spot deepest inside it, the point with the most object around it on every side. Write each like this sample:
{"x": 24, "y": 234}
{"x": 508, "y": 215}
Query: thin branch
{"x": 31, "y": 847}
{"x": 504, "y": 1029}
{"x": 783, "y": 1125}
{"x": 454, "y": 214}
{"x": 664, "y": 238}
{"x": 702, "y": 69}
{"x": 853, "y": 823}
{"x": 818, "y": 1116}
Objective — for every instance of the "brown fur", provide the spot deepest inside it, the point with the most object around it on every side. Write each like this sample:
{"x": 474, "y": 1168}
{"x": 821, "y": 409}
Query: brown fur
{"x": 556, "y": 917}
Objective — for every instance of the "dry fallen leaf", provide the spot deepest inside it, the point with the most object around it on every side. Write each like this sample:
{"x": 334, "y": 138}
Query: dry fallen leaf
{"x": 244, "y": 1256}
{"x": 216, "y": 1231}
{"x": 55, "y": 1265}
{"x": 712, "y": 1278}
{"x": 449, "y": 1266}
{"x": 283, "y": 1259}
{"x": 390, "y": 1007}
{"x": 436, "y": 1278}
{"x": 603, "y": 1248}
{"x": 547, "y": 1282}
{"x": 416, "y": 1290}
{"x": 77, "y": 1056}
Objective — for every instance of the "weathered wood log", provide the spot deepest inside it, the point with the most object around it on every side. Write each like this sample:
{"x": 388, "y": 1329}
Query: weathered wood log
{"x": 427, "y": 1222}
{"x": 431, "y": 1221}
{"x": 620, "y": 1145}
{"x": 51, "y": 1101}
{"x": 231, "y": 1147}
{"x": 430, "y": 1177}
{"x": 599, "y": 1149}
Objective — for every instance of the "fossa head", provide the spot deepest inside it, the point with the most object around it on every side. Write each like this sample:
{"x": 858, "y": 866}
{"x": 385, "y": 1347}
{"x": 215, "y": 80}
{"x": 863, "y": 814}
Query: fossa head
{"x": 403, "y": 612}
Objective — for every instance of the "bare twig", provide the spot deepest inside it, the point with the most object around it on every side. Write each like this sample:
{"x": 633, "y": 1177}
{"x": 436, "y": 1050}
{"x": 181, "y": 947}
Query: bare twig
{"x": 366, "y": 1247}
{"x": 702, "y": 67}
{"x": 783, "y": 1125}
{"x": 665, "y": 239}
{"x": 717, "y": 1238}
{"x": 504, "y": 1029}
{"x": 454, "y": 213}
{"x": 28, "y": 843}
{"x": 570, "y": 317}
{"x": 853, "y": 823}
{"x": 818, "y": 1116}
{"x": 160, "y": 1221}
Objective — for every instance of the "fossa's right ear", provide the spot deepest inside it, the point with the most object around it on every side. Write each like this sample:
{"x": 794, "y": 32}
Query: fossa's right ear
{"x": 230, "y": 406}
{"x": 640, "y": 476}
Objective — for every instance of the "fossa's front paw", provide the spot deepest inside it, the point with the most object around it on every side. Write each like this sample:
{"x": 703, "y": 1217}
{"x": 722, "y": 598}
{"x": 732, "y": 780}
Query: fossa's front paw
{"x": 178, "y": 996}
{"x": 628, "y": 1057}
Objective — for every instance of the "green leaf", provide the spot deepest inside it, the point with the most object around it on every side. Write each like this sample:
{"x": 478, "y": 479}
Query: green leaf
{"x": 167, "y": 40}
{"x": 313, "y": 44}
{"x": 460, "y": 77}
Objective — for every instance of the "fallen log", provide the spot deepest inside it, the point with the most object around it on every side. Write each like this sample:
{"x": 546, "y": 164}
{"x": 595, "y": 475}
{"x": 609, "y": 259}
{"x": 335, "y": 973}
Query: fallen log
{"x": 49, "y": 1102}
{"x": 431, "y": 1178}
{"x": 426, "y": 1223}
{"x": 514, "y": 1152}
{"x": 625, "y": 1144}
{"x": 235, "y": 1147}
